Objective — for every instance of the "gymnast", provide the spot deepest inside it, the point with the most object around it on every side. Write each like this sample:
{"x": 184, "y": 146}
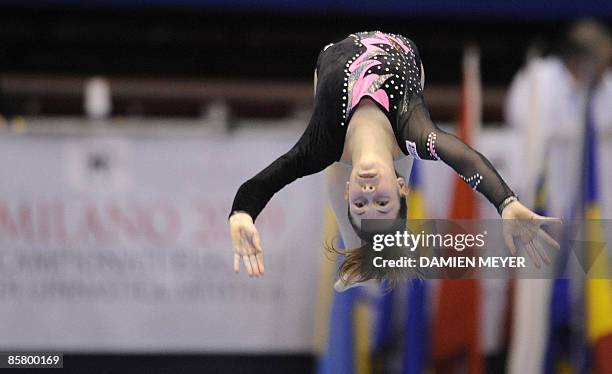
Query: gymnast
{"x": 369, "y": 111}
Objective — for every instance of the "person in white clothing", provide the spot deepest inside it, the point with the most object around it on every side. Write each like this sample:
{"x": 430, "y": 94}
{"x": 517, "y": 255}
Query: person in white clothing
{"x": 546, "y": 105}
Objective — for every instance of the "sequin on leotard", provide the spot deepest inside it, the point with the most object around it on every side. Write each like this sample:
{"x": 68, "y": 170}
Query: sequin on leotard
{"x": 386, "y": 68}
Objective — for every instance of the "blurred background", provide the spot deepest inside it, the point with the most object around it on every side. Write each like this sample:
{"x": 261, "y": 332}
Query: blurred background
{"x": 127, "y": 126}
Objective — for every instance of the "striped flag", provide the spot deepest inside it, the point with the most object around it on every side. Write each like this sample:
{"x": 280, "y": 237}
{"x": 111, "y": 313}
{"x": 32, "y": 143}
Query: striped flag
{"x": 326, "y": 277}
{"x": 598, "y": 291}
{"x": 339, "y": 357}
{"x": 415, "y": 321}
{"x": 416, "y": 324}
{"x": 456, "y": 334}
{"x": 348, "y": 345}
{"x": 557, "y": 357}
{"x": 531, "y": 299}
{"x": 343, "y": 334}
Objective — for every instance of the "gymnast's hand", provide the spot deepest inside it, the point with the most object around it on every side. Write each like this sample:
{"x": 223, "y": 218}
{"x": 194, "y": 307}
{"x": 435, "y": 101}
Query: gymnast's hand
{"x": 521, "y": 223}
{"x": 247, "y": 244}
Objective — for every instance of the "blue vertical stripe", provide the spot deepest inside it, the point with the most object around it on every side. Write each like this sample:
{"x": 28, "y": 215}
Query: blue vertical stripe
{"x": 416, "y": 344}
{"x": 383, "y": 334}
{"x": 559, "y": 323}
{"x": 590, "y": 180}
{"x": 590, "y": 196}
{"x": 339, "y": 357}
{"x": 415, "y": 338}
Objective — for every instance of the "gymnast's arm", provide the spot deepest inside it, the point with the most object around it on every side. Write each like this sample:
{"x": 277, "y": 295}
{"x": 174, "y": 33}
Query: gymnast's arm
{"x": 518, "y": 221}
{"x": 311, "y": 154}
{"x": 434, "y": 144}
{"x": 301, "y": 160}
{"x": 308, "y": 156}
{"x": 430, "y": 142}
{"x": 251, "y": 198}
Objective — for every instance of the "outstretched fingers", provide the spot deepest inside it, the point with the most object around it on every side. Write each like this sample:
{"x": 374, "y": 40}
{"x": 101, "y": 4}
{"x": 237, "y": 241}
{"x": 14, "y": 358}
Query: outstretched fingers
{"x": 544, "y": 220}
{"x": 527, "y": 244}
{"x": 258, "y": 252}
{"x": 260, "y": 262}
{"x": 542, "y": 252}
{"x": 509, "y": 242}
{"x": 247, "y": 265}
{"x": 246, "y": 244}
{"x": 548, "y": 239}
{"x": 236, "y": 262}
{"x": 251, "y": 253}
{"x": 256, "y": 241}
{"x": 255, "y": 265}
{"x": 255, "y": 253}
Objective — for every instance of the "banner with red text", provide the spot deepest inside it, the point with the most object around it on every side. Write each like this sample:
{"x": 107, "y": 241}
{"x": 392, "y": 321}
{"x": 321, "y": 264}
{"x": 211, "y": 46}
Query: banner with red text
{"x": 121, "y": 243}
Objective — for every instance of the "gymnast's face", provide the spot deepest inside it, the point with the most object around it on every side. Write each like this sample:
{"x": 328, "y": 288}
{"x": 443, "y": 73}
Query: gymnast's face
{"x": 373, "y": 191}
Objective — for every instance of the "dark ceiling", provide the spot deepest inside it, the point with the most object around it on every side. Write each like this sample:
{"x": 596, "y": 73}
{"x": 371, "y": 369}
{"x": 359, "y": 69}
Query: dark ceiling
{"x": 202, "y": 44}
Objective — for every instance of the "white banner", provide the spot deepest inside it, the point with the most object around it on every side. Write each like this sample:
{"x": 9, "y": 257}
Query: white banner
{"x": 119, "y": 243}
{"x": 122, "y": 244}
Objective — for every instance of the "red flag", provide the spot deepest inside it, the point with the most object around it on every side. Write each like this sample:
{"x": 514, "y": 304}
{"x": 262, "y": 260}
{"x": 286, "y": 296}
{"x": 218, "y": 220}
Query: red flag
{"x": 464, "y": 203}
{"x": 456, "y": 335}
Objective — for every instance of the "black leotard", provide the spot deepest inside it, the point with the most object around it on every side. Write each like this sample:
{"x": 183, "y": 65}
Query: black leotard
{"x": 387, "y": 69}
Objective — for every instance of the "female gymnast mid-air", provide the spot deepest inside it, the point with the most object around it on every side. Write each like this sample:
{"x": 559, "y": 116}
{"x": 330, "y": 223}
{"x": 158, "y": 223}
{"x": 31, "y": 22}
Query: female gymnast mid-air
{"x": 369, "y": 111}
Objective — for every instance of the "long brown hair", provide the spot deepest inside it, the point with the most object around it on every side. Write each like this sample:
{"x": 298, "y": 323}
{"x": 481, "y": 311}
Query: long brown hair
{"x": 356, "y": 266}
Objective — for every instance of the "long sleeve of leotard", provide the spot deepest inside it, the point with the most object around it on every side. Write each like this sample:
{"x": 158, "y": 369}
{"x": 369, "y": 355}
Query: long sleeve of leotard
{"x": 432, "y": 143}
{"x": 311, "y": 154}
